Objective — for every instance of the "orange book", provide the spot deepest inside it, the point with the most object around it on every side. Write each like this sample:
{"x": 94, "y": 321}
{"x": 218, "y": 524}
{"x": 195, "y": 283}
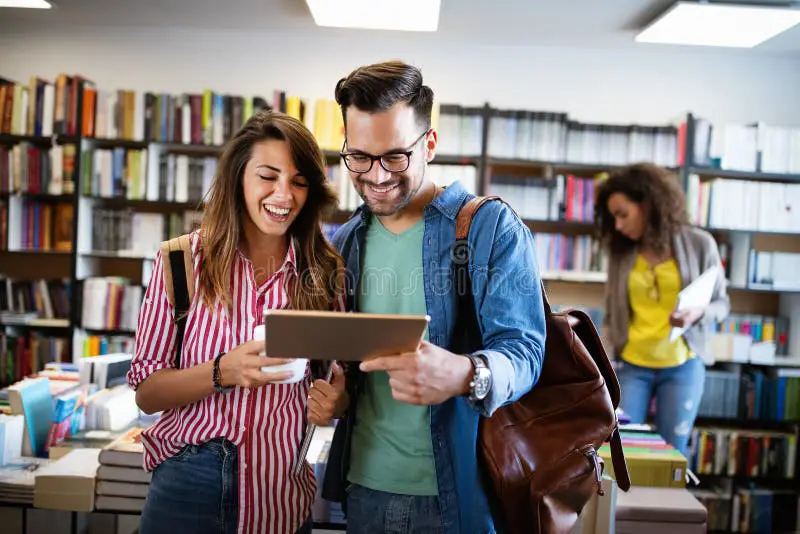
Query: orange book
{"x": 89, "y": 110}
{"x": 62, "y": 230}
{"x": 47, "y": 227}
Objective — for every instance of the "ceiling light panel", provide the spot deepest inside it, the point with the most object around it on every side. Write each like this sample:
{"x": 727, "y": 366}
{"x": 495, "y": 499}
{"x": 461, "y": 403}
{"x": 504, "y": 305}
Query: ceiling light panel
{"x": 405, "y": 15}
{"x": 30, "y": 4}
{"x": 726, "y": 25}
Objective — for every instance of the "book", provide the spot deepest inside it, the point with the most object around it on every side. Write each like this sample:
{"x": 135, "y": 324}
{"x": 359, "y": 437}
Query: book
{"x": 122, "y": 489}
{"x": 124, "y": 474}
{"x": 121, "y": 504}
{"x": 33, "y": 399}
{"x": 68, "y": 483}
{"x": 18, "y": 477}
{"x": 125, "y": 451}
{"x": 651, "y": 461}
{"x": 11, "y": 432}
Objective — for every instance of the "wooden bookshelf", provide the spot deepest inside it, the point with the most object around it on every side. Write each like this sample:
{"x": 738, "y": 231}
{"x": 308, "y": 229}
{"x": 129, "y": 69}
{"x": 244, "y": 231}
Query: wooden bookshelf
{"x": 129, "y": 144}
{"x": 39, "y": 323}
{"x": 146, "y": 205}
{"x": 47, "y": 197}
{"x": 11, "y": 140}
{"x": 573, "y": 288}
{"x": 549, "y": 168}
{"x": 27, "y": 253}
{"x": 559, "y": 227}
{"x": 707, "y": 172}
{"x": 452, "y": 160}
{"x": 118, "y": 255}
{"x": 729, "y": 231}
{"x": 109, "y": 332}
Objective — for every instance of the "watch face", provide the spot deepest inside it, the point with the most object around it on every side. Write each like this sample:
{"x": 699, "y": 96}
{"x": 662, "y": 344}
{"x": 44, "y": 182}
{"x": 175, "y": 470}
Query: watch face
{"x": 482, "y": 383}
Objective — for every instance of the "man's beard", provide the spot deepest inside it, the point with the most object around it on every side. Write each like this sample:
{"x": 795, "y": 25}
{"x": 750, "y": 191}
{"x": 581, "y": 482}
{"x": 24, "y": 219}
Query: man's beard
{"x": 401, "y": 195}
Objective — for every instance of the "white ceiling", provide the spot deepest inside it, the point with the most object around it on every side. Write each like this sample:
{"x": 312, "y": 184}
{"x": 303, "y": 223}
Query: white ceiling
{"x": 579, "y": 23}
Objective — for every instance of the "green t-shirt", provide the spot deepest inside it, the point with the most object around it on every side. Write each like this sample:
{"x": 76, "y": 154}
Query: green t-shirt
{"x": 391, "y": 448}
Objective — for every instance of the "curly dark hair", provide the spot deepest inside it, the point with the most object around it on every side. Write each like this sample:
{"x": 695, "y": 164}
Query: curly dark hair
{"x": 661, "y": 195}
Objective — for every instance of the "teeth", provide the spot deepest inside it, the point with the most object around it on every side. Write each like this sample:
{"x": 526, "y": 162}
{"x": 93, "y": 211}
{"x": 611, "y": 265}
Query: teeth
{"x": 275, "y": 210}
{"x": 382, "y": 189}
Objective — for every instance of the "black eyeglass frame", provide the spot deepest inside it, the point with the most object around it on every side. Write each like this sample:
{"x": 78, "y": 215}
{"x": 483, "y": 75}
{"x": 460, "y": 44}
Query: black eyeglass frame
{"x": 407, "y": 153}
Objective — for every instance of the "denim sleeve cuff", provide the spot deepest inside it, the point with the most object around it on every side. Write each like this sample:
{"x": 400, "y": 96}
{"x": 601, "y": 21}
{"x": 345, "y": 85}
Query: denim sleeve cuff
{"x": 502, "y": 376}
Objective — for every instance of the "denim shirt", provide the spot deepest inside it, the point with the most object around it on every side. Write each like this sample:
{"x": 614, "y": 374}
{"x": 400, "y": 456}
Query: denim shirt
{"x": 508, "y": 301}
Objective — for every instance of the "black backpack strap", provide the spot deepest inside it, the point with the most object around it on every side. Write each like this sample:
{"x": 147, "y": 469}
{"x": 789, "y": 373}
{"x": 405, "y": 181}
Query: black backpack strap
{"x": 180, "y": 290}
{"x": 467, "y": 335}
{"x": 176, "y": 256}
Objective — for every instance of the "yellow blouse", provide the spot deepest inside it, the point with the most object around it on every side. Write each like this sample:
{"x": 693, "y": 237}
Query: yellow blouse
{"x": 653, "y": 294}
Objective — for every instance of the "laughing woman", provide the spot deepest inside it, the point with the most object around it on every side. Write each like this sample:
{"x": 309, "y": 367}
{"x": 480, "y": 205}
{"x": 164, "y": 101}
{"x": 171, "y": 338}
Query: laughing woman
{"x": 222, "y": 453}
{"x": 654, "y": 253}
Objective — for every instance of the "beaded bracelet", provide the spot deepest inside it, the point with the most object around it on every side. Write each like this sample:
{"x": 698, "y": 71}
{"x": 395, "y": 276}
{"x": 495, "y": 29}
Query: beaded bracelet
{"x": 216, "y": 375}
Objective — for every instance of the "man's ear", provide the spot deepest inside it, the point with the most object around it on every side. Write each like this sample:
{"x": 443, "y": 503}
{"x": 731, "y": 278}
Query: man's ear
{"x": 431, "y": 141}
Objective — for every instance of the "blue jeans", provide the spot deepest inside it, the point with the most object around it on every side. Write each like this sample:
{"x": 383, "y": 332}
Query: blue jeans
{"x": 677, "y": 390}
{"x": 376, "y": 512}
{"x": 196, "y": 491}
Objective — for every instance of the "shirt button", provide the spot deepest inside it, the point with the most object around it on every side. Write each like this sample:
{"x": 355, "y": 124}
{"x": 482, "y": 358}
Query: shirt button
{"x": 246, "y": 392}
{"x": 243, "y": 428}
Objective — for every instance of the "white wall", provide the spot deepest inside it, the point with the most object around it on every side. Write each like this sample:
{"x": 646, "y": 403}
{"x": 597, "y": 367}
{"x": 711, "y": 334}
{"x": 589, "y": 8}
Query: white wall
{"x": 645, "y": 85}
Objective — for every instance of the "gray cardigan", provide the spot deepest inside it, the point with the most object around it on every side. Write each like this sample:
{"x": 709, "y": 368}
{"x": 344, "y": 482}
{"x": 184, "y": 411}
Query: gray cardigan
{"x": 695, "y": 251}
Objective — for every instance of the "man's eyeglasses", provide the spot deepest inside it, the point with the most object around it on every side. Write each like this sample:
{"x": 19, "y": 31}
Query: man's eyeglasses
{"x": 392, "y": 161}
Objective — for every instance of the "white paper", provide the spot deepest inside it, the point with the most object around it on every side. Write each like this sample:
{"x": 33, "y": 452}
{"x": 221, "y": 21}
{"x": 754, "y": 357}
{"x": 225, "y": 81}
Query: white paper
{"x": 696, "y": 295}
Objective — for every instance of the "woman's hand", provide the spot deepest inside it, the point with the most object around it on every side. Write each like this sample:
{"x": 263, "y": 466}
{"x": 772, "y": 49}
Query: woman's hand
{"x": 686, "y": 318}
{"x": 326, "y": 401}
{"x": 242, "y": 366}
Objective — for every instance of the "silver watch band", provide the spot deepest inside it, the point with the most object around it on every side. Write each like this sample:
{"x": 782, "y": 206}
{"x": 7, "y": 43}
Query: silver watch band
{"x": 478, "y": 388}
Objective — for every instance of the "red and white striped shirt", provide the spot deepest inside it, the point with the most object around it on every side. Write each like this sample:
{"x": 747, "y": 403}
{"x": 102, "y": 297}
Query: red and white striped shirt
{"x": 265, "y": 423}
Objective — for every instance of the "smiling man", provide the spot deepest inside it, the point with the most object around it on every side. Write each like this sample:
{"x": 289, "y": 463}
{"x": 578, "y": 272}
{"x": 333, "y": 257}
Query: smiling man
{"x": 404, "y": 455}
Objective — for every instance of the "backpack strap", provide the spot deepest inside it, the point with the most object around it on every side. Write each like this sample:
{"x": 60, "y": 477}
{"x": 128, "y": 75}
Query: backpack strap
{"x": 466, "y": 334}
{"x": 178, "y": 269}
{"x": 467, "y": 212}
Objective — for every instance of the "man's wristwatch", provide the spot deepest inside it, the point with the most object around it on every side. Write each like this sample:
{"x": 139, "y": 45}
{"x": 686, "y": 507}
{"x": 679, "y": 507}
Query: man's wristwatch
{"x": 481, "y": 382}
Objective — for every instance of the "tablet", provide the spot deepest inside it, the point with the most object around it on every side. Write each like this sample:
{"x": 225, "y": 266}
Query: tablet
{"x": 351, "y": 337}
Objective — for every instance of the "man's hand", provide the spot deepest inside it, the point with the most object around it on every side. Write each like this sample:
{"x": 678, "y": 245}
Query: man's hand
{"x": 326, "y": 401}
{"x": 685, "y": 318}
{"x": 430, "y": 375}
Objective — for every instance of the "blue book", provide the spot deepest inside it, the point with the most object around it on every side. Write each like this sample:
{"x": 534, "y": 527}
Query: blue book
{"x": 33, "y": 399}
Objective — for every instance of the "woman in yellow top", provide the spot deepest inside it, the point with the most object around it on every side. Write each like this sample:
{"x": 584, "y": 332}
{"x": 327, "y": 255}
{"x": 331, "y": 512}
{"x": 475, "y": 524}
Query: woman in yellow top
{"x": 654, "y": 253}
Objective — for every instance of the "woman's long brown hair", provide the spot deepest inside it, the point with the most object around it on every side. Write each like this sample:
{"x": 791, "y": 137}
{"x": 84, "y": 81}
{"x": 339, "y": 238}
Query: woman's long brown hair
{"x": 320, "y": 276}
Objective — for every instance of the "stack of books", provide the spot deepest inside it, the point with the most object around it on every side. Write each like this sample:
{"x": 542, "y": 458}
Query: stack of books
{"x": 18, "y": 478}
{"x": 122, "y": 483}
{"x": 68, "y": 483}
{"x": 651, "y": 460}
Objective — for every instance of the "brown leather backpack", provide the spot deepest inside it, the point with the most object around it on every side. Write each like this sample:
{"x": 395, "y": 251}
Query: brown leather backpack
{"x": 539, "y": 455}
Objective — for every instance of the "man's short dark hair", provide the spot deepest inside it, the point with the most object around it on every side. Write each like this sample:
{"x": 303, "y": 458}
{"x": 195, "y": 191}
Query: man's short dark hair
{"x": 381, "y": 86}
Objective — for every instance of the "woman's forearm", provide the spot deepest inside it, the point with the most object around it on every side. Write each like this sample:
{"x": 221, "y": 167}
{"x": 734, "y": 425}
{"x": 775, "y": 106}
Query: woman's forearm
{"x": 172, "y": 388}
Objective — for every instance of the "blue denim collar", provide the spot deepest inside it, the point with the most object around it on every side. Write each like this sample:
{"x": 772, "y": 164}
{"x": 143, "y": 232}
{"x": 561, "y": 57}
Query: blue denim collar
{"x": 449, "y": 202}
